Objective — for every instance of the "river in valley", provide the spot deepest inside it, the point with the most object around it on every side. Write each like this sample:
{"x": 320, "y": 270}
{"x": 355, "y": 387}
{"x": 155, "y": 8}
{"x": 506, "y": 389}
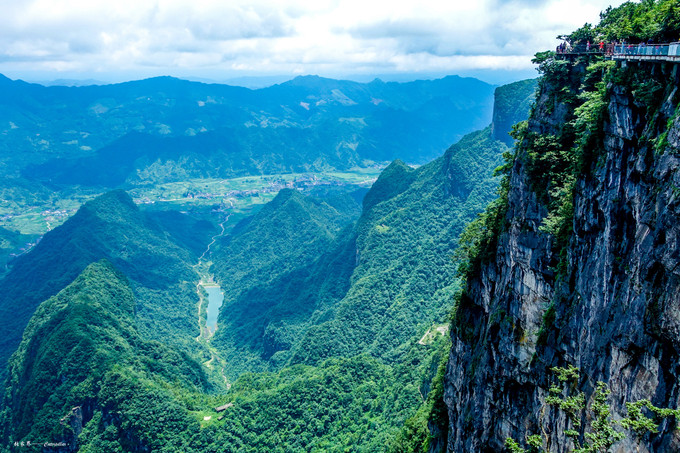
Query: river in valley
{"x": 215, "y": 299}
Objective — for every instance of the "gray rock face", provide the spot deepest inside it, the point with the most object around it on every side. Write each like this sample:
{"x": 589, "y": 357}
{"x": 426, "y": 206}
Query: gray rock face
{"x": 616, "y": 308}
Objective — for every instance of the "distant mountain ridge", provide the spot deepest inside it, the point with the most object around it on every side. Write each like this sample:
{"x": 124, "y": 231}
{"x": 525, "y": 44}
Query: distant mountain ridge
{"x": 165, "y": 129}
{"x": 350, "y": 321}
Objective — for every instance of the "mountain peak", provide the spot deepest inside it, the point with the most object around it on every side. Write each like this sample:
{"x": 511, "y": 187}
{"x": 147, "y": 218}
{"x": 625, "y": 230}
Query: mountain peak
{"x": 116, "y": 205}
{"x": 392, "y": 181}
{"x": 284, "y": 197}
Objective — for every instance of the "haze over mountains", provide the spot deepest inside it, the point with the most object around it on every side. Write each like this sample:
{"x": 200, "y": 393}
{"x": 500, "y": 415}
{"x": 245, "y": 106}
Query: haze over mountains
{"x": 166, "y": 129}
{"x": 506, "y": 293}
{"x": 336, "y": 291}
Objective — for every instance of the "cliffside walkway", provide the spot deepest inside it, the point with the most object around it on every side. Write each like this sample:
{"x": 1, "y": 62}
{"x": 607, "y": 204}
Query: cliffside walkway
{"x": 651, "y": 52}
{"x": 628, "y": 52}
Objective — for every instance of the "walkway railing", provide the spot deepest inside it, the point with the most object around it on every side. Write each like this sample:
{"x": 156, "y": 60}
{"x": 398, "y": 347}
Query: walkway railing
{"x": 633, "y": 52}
{"x": 644, "y": 52}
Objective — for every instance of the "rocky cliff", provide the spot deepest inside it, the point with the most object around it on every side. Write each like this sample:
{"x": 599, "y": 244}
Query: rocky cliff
{"x": 577, "y": 264}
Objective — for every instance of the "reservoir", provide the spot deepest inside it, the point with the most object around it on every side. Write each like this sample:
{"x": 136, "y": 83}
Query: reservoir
{"x": 215, "y": 298}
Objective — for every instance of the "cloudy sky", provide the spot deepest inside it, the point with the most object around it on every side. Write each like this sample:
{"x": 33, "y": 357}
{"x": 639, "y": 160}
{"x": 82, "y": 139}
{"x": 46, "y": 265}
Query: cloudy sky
{"x": 117, "y": 40}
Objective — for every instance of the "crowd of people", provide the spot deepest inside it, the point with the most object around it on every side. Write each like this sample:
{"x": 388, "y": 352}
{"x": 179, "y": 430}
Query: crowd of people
{"x": 612, "y": 48}
{"x": 565, "y": 48}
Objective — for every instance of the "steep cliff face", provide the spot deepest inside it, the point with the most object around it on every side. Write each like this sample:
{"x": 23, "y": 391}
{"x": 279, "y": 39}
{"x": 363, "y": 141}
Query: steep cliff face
{"x": 602, "y": 294}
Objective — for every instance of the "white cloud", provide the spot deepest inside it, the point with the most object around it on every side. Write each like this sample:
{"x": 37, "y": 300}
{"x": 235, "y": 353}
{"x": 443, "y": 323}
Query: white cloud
{"x": 198, "y": 37}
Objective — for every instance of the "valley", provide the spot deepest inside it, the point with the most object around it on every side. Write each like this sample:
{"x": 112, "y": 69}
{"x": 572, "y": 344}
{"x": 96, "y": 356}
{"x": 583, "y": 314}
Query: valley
{"x": 433, "y": 266}
{"x": 212, "y": 197}
{"x": 246, "y": 193}
{"x": 336, "y": 285}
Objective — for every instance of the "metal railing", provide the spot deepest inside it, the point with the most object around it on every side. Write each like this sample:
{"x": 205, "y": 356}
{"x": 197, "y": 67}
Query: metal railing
{"x": 662, "y": 52}
{"x": 581, "y": 49}
{"x": 623, "y": 51}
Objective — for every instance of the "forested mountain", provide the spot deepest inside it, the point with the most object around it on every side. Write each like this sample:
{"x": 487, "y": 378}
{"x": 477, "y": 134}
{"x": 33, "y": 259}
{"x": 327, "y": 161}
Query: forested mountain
{"x": 511, "y": 104}
{"x": 565, "y": 335}
{"x": 553, "y": 264}
{"x": 11, "y": 242}
{"x": 271, "y": 274}
{"x": 367, "y": 288}
{"x": 83, "y": 374}
{"x": 166, "y": 129}
{"x": 110, "y": 227}
{"x": 331, "y": 332}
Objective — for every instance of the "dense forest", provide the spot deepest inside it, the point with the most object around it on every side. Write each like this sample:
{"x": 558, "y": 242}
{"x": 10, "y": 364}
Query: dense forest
{"x": 518, "y": 293}
{"x": 332, "y": 332}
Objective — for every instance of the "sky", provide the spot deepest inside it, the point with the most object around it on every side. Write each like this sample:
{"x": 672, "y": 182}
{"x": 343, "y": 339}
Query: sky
{"x": 117, "y": 40}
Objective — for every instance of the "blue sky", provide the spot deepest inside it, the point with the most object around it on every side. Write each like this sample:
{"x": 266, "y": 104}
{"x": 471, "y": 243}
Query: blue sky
{"x": 131, "y": 39}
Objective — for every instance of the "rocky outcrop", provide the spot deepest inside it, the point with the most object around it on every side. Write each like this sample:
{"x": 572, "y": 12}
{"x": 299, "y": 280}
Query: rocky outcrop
{"x": 612, "y": 311}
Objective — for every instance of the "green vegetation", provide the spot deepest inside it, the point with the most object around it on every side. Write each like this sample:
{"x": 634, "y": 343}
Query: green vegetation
{"x": 33, "y": 210}
{"x": 319, "y": 337}
{"x": 167, "y": 130}
{"x": 554, "y": 159}
{"x": 590, "y": 427}
{"x": 512, "y": 104}
{"x": 82, "y": 350}
{"x": 430, "y": 423}
{"x": 368, "y": 291}
{"x": 404, "y": 276}
{"x": 109, "y": 227}
{"x": 265, "y": 269}
{"x": 560, "y": 153}
{"x": 13, "y": 244}
{"x": 339, "y": 405}
{"x": 299, "y": 289}
{"x": 651, "y": 20}
{"x": 83, "y": 362}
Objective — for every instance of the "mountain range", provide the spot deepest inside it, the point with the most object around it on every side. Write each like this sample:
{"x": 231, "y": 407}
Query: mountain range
{"x": 332, "y": 329}
{"x": 514, "y": 293}
{"x": 165, "y": 129}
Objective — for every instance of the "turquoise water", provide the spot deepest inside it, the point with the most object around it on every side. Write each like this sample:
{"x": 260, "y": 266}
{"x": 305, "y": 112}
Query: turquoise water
{"x": 215, "y": 298}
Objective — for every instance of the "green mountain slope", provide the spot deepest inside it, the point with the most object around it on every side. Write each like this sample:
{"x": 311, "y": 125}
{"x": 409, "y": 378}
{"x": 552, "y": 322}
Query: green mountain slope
{"x": 266, "y": 267}
{"x": 403, "y": 277}
{"x": 360, "y": 319}
{"x": 345, "y": 315}
{"x": 12, "y": 244}
{"x": 511, "y": 105}
{"x": 370, "y": 297}
{"x": 297, "y": 287}
{"x": 82, "y": 369}
{"x": 110, "y": 227}
{"x": 287, "y": 232}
